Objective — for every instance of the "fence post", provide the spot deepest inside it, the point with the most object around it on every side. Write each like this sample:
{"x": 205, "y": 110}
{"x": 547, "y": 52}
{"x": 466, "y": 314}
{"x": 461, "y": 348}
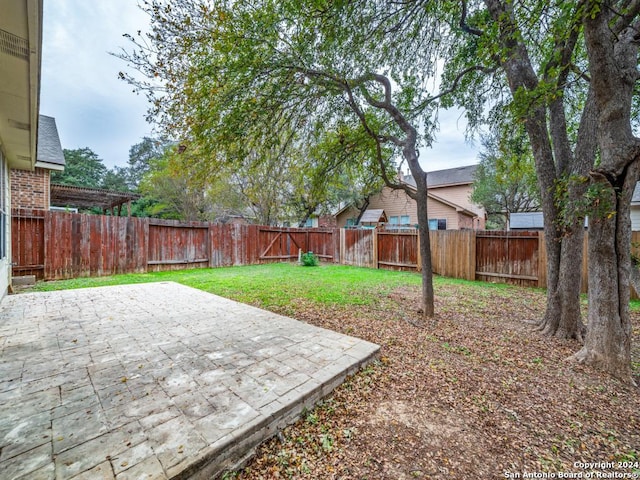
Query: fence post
{"x": 306, "y": 241}
{"x": 374, "y": 247}
{"x": 585, "y": 264}
{"x": 472, "y": 256}
{"x": 419, "y": 256}
{"x": 46, "y": 230}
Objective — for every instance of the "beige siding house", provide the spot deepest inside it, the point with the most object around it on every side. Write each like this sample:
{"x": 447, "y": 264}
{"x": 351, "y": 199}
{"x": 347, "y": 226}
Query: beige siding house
{"x": 448, "y": 202}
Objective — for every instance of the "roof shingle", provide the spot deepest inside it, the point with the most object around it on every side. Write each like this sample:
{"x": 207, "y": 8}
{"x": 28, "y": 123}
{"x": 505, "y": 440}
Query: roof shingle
{"x": 49, "y": 148}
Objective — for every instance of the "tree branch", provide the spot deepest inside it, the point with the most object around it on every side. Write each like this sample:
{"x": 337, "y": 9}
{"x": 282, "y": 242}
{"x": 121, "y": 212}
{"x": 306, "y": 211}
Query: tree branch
{"x": 626, "y": 19}
{"x": 377, "y": 139}
{"x": 463, "y": 22}
{"x": 580, "y": 73}
{"x": 454, "y": 85}
{"x": 387, "y": 105}
{"x": 564, "y": 49}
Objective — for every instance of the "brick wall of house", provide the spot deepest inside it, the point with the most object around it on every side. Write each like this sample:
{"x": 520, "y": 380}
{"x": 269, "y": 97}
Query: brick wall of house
{"x": 30, "y": 189}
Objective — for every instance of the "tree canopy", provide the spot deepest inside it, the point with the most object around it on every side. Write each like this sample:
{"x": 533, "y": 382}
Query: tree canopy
{"x": 253, "y": 81}
{"x": 83, "y": 168}
{"x": 505, "y": 180}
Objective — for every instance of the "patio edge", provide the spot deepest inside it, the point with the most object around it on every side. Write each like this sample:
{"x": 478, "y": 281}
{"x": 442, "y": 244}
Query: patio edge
{"x": 234, "y": 450}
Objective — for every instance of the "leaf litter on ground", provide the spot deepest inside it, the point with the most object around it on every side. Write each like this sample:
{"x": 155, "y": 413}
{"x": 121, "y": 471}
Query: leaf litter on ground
{"x": 476, "y": 393}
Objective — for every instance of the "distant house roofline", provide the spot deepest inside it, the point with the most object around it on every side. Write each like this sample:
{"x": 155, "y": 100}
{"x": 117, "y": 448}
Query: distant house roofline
{"x": 449, "y": 177}
{"x": 452, "y": 176}
{"x": 50, "y": 154}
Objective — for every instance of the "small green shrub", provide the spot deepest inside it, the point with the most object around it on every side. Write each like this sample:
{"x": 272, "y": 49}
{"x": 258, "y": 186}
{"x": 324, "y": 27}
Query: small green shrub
{"x": 309, "y": 259}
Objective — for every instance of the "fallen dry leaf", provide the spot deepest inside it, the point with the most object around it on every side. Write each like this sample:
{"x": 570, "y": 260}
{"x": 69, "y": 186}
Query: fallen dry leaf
{"x": 475, "y": 394}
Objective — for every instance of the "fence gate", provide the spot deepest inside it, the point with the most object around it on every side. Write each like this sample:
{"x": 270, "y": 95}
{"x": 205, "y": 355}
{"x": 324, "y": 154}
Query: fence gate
{"x": 285, "y": 243}
{"x": 27, "y": 242}
{"x": 280, "y": 244}
{"x": 509, "y": 257}
{"x": 178, "y": 245}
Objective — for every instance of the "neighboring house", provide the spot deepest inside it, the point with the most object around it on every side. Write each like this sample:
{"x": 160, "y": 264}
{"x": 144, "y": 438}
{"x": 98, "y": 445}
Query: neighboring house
{"x": 32, "y": 188}
{"x": 322, "y": 221}
{"x": 455, "y": 186}
{"x": 448, "y": 203}
{"x": 20, "y": 59}
{"x": 534, "y": 220}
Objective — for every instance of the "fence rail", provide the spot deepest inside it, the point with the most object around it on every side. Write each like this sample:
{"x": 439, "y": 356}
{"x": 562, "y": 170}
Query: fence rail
{"x": 58, "y": 245}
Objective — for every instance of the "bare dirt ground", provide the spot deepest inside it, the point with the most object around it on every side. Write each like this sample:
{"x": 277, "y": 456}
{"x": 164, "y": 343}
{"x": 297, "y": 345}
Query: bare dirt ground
{"x": 476, "y": 394}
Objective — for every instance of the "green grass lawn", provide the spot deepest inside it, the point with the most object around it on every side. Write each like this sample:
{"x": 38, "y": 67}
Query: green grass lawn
{"x": 268, "y": 285}
{"x": 279, "y": 284}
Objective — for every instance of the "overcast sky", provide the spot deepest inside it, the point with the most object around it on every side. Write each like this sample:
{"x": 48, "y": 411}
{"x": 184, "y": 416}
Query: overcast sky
{"x": 92, "y": 108}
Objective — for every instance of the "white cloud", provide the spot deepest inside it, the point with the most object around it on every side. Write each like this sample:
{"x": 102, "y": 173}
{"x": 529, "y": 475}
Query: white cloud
{"x": 80, "y": 85}
{"x": 450, "y": 148}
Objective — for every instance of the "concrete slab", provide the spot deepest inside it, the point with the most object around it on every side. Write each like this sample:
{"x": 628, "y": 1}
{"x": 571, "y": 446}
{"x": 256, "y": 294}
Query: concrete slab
{"x": 153, "y": 381}
{"x": 23, "y": 280}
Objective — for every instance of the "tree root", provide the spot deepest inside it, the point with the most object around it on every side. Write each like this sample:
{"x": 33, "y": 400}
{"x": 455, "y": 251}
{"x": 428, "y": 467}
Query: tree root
{"x": 587, "y": 357}
{"x": 552, "y": 329}
{"x": 413, "y": 323}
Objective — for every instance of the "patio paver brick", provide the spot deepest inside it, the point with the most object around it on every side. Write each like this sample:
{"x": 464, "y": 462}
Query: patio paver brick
{"x": 153, "y": 381}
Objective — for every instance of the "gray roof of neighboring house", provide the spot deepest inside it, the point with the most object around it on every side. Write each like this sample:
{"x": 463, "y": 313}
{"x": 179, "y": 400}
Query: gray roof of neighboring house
{"x": 409, "y": 180}
{"x": 526, "y": 221}
{"x": 450, "y": 176}
{"x": 49, "y": 149}
{"x": 636, "y": 194}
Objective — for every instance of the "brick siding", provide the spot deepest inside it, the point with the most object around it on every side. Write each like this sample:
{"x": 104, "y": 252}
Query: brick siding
{"x": 30, "y": 189}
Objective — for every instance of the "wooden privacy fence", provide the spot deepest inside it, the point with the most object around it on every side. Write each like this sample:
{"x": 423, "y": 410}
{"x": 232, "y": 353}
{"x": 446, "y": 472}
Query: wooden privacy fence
{"x": 59, "y": 245}
{"x": 512, "y": 257}
{"x": 494, "y": 256}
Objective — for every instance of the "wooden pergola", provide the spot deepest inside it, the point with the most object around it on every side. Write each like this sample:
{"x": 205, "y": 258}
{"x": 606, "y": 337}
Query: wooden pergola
{"x": 82, "y": 197}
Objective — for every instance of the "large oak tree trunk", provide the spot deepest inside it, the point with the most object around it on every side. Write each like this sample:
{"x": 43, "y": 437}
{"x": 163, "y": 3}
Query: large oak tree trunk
{"x": 547, "y": 131}
{"x": 564, "y": 246}
{"x": 608, "y": 341}
{"x": 562, "y": 317}
{"x": 612, "y": 46}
